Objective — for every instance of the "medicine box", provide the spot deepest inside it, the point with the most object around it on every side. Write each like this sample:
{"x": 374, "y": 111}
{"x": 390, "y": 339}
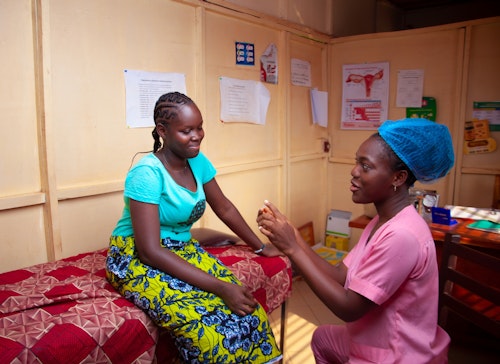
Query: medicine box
{"x": 338, "y": 232}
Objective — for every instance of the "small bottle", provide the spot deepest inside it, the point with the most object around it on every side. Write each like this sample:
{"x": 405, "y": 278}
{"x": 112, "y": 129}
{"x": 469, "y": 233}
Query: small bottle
{"x": 428, "y": 202}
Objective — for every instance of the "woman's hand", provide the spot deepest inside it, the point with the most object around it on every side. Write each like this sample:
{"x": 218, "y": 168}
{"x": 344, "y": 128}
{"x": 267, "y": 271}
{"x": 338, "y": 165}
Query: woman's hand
{"x": 239, "y": 299}
{"x": 275, "y": 226}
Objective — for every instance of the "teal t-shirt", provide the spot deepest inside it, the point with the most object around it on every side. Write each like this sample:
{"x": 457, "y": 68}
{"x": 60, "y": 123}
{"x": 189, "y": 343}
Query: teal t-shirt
{"x": 148, "y": 181}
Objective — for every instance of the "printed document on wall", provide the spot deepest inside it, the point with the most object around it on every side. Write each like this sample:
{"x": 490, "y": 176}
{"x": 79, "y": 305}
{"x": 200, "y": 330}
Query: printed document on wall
{"x": 365, "y": 95}
{"x": 142, "y": 90}
{"x": 410, "y": 88}
{"x": 300, "y": 72}
{"x": 319, "y": 107}
{"x": 243, "y": 101}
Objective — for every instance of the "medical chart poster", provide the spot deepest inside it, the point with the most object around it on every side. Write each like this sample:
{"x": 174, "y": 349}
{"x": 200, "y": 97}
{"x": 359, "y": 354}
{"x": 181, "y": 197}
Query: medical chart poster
{"x": 365, "y": 95}
{"x": 142, "y": 90}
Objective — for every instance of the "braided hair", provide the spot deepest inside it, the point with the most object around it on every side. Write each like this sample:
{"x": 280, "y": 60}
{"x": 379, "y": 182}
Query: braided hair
{"x": 165, "y": 110}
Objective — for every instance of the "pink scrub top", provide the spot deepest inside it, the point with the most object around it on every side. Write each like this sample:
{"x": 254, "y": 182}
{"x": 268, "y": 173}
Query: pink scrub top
{"x": 397, "y": 269}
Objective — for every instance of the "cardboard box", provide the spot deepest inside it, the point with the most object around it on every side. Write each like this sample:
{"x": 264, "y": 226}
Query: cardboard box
{"x": 338, "y": 232}
{"x": 337, "y": 242}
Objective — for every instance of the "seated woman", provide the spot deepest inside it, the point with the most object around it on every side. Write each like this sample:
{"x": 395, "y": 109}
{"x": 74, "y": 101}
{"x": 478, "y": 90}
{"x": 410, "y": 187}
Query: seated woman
{"x": 386, "y": 288}
{"x": 154, "y": 262}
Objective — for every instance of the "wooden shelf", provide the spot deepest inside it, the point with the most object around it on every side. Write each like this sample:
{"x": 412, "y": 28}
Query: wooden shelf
{"x": 360, "y": 222}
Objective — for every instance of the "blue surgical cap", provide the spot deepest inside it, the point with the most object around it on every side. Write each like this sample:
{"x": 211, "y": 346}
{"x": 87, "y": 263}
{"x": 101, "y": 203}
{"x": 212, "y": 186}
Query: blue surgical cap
{"x": 423, "y": 145}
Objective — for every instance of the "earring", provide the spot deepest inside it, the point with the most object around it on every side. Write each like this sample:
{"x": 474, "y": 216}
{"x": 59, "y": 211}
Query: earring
{"x": 395, "y": 188}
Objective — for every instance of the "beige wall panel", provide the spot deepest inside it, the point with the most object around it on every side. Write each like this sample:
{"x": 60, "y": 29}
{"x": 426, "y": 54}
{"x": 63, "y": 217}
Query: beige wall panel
{"x": 315, "y": 14}
{"x": 91, "y": 44}
{"x": 247, "y": 191}
{"x": 483, "y": 85}
{"x": 476, "y": 190}
{"x": 306, "y": 137}
{"x": 264, "y": 6}
{"x": 307, "y": 175}
{"x": 233, "y": 143}
{"x": 19, "y": 171}
{"x": 23, "y": 240}
{"x": 483, "y": 81}
{"x": 349, "y": 19}
{"x": 308, "y": 201}
{"x": 437, "y": 53}
{"x": 87, "y": 223}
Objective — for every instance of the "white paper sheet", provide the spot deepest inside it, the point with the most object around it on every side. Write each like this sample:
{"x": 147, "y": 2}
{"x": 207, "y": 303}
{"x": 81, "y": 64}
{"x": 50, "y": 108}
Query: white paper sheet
{"x": 410, "y": 88}
{"x": 243, "y": 101}
{"x": 142, "y": 89}
{"x": 319, "y": 107}
{"x": 301, "y": 72}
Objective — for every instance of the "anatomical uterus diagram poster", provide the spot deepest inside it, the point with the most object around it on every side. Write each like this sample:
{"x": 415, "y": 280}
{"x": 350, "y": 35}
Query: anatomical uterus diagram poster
{"x": 365, "y": 95}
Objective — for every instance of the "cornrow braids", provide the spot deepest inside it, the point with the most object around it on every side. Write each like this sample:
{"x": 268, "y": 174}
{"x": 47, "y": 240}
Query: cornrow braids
{"x": 165, "y": 110}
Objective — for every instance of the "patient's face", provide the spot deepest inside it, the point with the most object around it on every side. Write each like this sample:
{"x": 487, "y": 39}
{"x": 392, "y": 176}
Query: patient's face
{"x": 183, "y": 135}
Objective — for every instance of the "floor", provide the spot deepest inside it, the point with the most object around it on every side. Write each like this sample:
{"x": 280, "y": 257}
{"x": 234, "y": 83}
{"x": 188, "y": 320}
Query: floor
{"x": 305, "y": 312}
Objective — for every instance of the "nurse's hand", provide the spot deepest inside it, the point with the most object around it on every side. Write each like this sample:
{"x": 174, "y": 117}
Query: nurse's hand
{"x": 276, "y": 227}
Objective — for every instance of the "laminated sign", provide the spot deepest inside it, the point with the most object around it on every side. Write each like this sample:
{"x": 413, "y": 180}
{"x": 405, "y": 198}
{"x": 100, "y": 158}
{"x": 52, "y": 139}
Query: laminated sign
{"x": 477, "y": 137}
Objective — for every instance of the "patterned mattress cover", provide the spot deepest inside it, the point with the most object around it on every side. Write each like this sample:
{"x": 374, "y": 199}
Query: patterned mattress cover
{"x": 67, "y": 312}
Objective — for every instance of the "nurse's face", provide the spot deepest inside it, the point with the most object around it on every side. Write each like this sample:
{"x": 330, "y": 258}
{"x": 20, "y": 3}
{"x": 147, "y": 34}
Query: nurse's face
{"x": 372, "y": 175}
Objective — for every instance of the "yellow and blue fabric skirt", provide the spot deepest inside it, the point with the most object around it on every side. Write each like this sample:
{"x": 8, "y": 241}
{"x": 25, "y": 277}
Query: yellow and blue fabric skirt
{"x": 204, "y": 328}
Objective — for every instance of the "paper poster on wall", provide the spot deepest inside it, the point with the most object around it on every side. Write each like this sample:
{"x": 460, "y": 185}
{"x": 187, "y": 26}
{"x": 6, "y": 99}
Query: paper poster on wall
{"x": 487, "y": 110}
{"x": 410, "y": 88}
{"x": 319, "y": 107}
{"x": 269, "y": 65}
{"x": 300, "y": 72}
{"x": 142, "y": 90}
{"x": 243, "y": 101}
{"x": 365, "y": 95}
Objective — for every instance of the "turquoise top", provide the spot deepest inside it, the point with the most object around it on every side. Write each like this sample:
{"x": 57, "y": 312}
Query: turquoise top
{"x": 148, "y": 181}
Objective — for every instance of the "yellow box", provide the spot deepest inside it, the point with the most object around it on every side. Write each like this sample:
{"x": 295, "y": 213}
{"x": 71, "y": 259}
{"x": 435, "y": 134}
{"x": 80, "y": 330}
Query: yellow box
{"x": 337, "y": 242}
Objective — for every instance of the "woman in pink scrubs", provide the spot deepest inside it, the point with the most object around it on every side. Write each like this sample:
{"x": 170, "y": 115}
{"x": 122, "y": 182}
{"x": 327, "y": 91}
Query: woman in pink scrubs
{"x": 386, "y": 288}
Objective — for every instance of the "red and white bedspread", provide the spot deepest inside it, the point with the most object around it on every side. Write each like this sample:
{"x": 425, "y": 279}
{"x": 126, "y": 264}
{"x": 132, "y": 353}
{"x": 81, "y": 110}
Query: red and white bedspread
{"x": 67, "y": 312}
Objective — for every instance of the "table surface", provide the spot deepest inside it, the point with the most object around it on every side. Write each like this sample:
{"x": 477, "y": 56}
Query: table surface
{"x": 468, "y": 236}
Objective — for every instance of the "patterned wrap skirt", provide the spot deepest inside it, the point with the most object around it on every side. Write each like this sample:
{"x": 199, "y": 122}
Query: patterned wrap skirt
{"x": 204, "y": 328}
